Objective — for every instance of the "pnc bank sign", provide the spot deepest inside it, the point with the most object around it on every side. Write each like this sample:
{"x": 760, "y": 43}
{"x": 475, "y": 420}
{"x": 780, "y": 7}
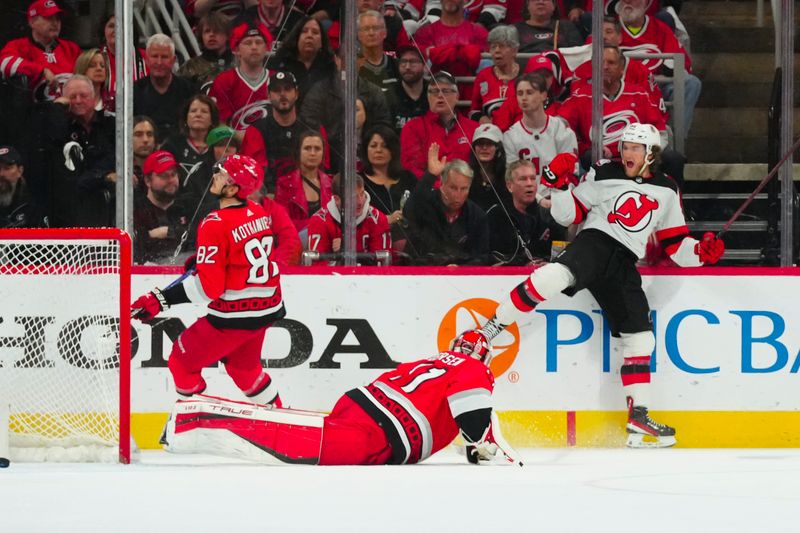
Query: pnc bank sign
{"x": 695, "y": 341}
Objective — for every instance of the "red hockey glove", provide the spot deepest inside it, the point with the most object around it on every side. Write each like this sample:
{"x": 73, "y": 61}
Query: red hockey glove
{"x": 558, "y": 173}
{"x": 709, "y": 249}
{"x": 148, "y": 306}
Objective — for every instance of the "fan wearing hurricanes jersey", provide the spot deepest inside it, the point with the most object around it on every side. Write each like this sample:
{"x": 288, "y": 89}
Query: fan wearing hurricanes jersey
{"x": 620, "y": 204}
{"x": 403, "y": 417}
{"x": 238, "y": 281}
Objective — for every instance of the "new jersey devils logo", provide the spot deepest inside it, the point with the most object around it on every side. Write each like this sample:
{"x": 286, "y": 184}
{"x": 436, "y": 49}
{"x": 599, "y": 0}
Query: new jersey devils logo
{"x": 633, "y": 211}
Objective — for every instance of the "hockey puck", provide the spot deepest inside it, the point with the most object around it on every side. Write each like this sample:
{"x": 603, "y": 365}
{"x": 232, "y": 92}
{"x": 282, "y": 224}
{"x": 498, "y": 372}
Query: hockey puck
{"x": 4, "y": 463}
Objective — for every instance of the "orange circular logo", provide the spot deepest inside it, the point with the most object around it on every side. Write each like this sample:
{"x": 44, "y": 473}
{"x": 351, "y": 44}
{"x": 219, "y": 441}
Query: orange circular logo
{"x": 473, "y": 313}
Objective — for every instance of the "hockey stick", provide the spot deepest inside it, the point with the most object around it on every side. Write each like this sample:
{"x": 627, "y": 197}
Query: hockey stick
{"x": 758, "y": 189}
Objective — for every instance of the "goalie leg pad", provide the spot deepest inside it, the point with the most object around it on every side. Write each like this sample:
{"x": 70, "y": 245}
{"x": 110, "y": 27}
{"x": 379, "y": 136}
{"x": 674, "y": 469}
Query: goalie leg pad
{"x": 245, "y": 431}
{"x": 543, "y": 283}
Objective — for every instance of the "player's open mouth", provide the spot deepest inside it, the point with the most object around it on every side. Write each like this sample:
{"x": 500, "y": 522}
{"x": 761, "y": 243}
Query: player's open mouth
{"x": 629, "y": 164}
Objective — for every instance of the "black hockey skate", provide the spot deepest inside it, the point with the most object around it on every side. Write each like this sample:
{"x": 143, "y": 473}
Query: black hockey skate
{"x": 644, "y": 432}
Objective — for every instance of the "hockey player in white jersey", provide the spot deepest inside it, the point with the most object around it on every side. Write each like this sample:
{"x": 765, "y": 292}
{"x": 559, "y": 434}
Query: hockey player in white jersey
{"x": 620, "y": 204}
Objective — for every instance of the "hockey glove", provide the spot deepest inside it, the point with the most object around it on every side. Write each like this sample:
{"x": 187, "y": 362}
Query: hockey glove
{"x": 710, "y": 249}
{"x": 485, "y": 449}
{"x": 190, "y": 263}
{"x": 560, "y": 171}
{"x": 148, "y": 306}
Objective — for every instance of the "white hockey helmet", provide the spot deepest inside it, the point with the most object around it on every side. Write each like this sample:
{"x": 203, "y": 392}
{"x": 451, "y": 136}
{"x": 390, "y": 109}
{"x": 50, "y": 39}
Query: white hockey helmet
{"x": 645, "y": 134}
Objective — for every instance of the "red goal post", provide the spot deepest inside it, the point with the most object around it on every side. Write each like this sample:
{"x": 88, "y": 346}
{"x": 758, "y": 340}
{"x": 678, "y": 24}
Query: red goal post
{"x": 65, "y": 344}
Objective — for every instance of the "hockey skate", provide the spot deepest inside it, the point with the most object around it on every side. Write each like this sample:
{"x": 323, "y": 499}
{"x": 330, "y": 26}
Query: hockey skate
{"x": 644, "y": 432}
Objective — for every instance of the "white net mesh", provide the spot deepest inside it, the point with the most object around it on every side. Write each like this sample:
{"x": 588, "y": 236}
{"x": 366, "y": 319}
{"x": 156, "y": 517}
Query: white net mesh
{"x": 59, "y": 348}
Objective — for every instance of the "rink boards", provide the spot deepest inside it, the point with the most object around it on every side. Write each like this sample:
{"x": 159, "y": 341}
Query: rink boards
{"x": 726, "y": 368}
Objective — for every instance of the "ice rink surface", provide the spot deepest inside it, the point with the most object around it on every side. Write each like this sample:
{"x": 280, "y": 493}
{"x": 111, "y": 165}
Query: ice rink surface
{"x": 574, "y": 490}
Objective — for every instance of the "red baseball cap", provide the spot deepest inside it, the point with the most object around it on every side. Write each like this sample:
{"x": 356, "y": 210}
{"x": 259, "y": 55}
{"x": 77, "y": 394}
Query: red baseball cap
{"x": 43, "y": 8}
{"x": 540, "y": 62}
{"x": 248, "y": 29}
{"x": 159, "y": 162}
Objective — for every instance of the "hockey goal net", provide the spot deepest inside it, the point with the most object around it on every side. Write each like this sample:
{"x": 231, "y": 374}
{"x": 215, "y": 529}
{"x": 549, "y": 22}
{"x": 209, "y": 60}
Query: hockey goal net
{"x": 65, "y": 344}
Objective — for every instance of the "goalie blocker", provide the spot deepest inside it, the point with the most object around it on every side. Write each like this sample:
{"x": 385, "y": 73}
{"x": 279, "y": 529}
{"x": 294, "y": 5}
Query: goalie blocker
{"x": 403, "y": 417}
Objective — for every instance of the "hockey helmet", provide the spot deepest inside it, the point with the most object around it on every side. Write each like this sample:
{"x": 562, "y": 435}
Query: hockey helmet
{"x": 645, "y": 134}
{"x": 474, "y": 344}
{"x": 245, "y": 172}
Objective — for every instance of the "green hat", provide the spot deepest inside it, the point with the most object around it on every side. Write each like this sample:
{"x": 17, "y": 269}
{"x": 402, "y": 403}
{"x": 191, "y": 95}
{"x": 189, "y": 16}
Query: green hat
{"x": 219, "y": 134}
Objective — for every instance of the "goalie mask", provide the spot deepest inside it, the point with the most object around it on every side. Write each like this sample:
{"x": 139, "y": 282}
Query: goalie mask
{"x": 474, "y": 344}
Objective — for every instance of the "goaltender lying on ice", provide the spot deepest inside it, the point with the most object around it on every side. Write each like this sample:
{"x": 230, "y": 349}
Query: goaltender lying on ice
{"x": 403, "y": 417}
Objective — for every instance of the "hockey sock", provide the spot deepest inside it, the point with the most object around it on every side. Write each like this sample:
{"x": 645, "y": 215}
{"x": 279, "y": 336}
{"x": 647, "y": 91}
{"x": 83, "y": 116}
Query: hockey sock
{"x": 635, "y": 374}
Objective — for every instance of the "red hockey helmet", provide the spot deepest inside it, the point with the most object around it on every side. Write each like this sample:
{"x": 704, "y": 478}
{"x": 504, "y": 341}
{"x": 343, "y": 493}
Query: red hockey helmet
{"x": 244, "y": 172}
{"x": 474, "y": 344}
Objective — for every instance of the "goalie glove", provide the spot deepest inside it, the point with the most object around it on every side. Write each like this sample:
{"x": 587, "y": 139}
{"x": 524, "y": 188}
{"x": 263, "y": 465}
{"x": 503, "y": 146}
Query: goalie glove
{"x": 148, "y": 306}
{"x": 560, "y": 171}
{"x": 484, "y": 450}
{"x": 710, "y": 249}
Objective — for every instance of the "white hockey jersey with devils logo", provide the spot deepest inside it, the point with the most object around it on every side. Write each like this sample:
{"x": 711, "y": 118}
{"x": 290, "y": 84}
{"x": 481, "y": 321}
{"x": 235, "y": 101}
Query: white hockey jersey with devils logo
{"x": 629, "y": 210}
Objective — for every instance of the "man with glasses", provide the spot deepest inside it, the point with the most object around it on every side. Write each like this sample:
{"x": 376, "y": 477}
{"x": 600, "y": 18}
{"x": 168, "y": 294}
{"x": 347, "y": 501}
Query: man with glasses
{"x": 375, "y": 64}
{"x": 441, "y": 125}
{"x": 409, "y": 97}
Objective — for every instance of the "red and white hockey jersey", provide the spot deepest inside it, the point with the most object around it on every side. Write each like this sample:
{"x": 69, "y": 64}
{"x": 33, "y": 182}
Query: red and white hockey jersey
{"x": 629, "y": 210}
{"x": 372, "y": 229}
{"x": 631, "y": 104}
{"x": 26, "y": 57}
{"x": 488, "y": 93}
{"x": 240, "y": 103}
{"x": 654, "y": 37}
{"x": 499, "y": 9}
{"x": 236, "y": 276}
{"x": 636, "y": 73}
{"x": 539, "y": 147}
{"x": 417, "y": 403}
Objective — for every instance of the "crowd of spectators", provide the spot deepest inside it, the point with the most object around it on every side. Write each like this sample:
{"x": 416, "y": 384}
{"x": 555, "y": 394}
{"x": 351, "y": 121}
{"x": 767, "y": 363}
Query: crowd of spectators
{"x": 448, "y": 170}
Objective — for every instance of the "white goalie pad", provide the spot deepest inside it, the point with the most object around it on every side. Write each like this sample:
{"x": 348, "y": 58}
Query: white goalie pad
{"x": 241, "y": 430}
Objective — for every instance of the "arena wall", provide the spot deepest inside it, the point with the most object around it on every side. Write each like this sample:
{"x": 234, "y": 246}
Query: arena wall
{"x": 726, "y": 369}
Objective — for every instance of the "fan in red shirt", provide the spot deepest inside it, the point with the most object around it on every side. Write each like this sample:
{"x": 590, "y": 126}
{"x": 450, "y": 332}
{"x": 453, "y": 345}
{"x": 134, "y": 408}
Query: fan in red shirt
{"x": 623, "y": 104}
{"x": 241, "y": 92}
{"x": 43, "y": 57}
{"x": 372, "y": 226}
{"x": 453, "y": 43}
{"x": 403, "y": 417}
{"x": 238, "y": 279}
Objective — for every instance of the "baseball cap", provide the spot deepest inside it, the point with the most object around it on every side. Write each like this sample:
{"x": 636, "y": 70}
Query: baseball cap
{"x": 219, "y": 134}
{"x": 281, "y": 79}
{"x": 408, "y": 48}
{"x": 159, "y": 162}
{"x": 43, "y": 8}
{"x": 9, "y": 156}
{"x": 444, "y": 77}
{"x": 248, "y": 29}
{"x": 487, "y": 131}
{"x": 540, "y": 62}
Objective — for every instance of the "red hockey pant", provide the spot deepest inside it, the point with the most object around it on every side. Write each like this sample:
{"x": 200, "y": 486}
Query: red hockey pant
{"x": 351, "y": 437}
{"x": 202, "y": 345}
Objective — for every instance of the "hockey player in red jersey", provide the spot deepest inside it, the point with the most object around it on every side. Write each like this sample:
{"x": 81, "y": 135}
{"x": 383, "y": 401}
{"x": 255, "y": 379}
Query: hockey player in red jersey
{"x": 238, "y": 280}
{"x": 403, "y": 417}
{"x": 620, "y": 204}
{"x": 372, "y": 226}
